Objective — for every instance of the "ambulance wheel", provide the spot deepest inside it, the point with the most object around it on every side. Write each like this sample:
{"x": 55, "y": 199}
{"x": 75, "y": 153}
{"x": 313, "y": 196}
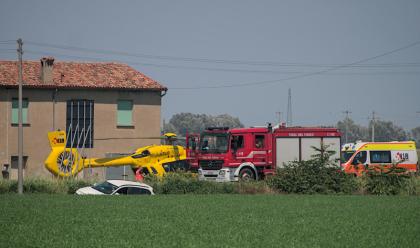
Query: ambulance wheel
{"x": 246, "y": 174}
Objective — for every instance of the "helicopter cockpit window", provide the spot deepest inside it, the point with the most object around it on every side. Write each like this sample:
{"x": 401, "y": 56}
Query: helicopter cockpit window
{"x": 143, "y": 154}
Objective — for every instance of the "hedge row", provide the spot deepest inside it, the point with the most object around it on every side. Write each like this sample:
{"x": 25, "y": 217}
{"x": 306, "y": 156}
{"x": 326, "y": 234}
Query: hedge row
{"x": 188, "y": 183}
{"x": 298, "y": 178}
{"x": 48, "y": 186}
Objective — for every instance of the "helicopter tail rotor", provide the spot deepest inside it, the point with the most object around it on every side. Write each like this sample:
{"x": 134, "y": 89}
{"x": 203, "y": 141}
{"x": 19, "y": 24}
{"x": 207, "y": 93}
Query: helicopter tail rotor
{"x": 62, "y": 161}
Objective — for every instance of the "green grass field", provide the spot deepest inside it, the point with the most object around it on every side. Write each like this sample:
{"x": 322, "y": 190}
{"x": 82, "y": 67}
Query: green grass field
{"x": 39, "y": 220}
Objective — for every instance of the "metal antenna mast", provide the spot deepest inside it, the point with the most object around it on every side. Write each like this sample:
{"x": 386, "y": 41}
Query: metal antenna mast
{"x": 289, "y": 109}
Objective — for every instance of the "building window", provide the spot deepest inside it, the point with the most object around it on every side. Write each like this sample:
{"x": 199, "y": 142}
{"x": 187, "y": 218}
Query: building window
{"x": 14, "y": 162}
{"x": 125, "y": 113}
{"x": 79, "y": 123}
{"x": 15, "y": 111}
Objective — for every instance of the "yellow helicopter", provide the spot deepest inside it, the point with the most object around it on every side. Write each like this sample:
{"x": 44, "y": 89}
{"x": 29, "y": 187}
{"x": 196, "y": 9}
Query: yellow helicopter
{"x": 153, "y": 159}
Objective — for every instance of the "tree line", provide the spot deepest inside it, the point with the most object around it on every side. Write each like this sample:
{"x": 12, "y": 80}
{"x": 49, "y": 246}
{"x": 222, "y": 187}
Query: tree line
{"x": 196, "y": 123}
{"x": 384, "y": 130}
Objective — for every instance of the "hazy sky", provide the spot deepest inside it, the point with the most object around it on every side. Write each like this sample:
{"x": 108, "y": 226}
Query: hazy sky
{"x": 219, "y": 42}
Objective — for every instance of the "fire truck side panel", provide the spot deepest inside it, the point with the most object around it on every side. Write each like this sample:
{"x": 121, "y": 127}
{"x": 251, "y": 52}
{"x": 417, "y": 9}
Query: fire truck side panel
{"x": 298, "y": 149}
{"x": 287, "y": 149}
{"x": 333, "y": 144}
{"x": 306, "y": 147}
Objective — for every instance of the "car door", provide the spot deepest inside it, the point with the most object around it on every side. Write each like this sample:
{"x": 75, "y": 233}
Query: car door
{"x": 121, "y": 191}
{"x": 359, "y": 163}
{"x": 237, "y": 145}
{"x": 260, "y": 149}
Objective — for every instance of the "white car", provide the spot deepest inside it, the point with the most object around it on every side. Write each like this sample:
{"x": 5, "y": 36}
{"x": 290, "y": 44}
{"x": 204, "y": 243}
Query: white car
{"x": 117, "y": 187}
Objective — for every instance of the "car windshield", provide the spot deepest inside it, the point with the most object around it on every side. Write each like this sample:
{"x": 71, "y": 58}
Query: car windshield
{"x": 345, "y": 156}
{"x": 105, "y": 187}
{"x": 214, "y": 143}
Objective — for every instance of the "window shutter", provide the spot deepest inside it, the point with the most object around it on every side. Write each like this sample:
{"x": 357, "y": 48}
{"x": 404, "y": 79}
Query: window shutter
{"x": 15, "y": 111}
{"x": 125, "y": 113}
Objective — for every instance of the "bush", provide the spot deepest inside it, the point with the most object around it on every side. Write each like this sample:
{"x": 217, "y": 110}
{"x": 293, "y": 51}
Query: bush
{"x": 389, "y": 181}
{"x": 258, "y": 187}
{"x": 40, "y": 185}
{"x": 188, "y": 183}
{"x": 5, "y": 186}
{"x": 312, "y": 176}
{"x": 71, "y": 185}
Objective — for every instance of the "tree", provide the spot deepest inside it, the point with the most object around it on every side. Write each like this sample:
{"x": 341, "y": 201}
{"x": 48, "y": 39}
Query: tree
{"x": 354, "y": 132}
{"x": 388, "y": 131}
{"x": 196, "y": 123}
{"x": 384, "y": 131}
{"x": 415, "y": 133}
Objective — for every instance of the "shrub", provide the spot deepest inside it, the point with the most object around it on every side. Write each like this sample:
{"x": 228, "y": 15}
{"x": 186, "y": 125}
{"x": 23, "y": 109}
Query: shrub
{"x": 188, "y": 183}
{"x": 40, "y": 185}
{"x": 258, "y": 187}
{"x": 394, "y": 180}
{"x": 317, "y": 175}
{"x": 72, "y": 184}
{"x": 5, "y": 186}
{"x": 309, "y": 177}
{"x": 43, "y": 186}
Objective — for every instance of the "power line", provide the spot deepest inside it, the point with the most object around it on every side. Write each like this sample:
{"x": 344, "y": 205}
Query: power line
{"x": 307, "y": 74}
{"x": 207, "y": 60}
{"x": 300, "y": 75}
{"x": 214, "y": 69}
{"x": 164, "y": 66}
{"x": 7, "y": 41}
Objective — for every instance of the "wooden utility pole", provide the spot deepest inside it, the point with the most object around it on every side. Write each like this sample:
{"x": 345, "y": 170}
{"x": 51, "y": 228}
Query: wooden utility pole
{"x": 289, "y": 121}
{"x": 347, "y": 112}
{"x": 20, "y": 119}
{"x": 373, "y": 126}
{"x": 279, "y": 116}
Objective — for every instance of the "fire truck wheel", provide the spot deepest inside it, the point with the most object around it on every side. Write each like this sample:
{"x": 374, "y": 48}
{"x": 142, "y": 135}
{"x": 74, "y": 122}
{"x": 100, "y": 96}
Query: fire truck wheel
{"x": 246, "y": 174}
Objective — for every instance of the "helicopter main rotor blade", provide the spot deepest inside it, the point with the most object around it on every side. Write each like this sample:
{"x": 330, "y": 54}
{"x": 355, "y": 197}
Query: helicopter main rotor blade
{"x": 128, "y": 138}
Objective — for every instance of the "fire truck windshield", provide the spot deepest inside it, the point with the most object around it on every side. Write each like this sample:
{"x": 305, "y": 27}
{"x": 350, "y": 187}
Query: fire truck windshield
{"x": 214, "y": 143}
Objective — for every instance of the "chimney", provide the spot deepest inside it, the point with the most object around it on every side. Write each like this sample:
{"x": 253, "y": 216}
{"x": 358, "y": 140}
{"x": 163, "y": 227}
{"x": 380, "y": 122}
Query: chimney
{"x": 47, "y": 70}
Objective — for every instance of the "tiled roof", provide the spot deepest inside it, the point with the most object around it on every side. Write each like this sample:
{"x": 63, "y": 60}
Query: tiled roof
{"x": 78, "y": 75}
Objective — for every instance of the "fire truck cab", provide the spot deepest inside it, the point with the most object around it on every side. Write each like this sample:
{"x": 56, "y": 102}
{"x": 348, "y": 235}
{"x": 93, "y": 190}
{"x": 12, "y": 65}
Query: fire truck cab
{"x": 192, "y": 150}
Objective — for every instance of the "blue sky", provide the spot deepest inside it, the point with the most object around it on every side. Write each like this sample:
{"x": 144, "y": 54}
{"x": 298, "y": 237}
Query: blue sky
{"x": 235, "y": 42}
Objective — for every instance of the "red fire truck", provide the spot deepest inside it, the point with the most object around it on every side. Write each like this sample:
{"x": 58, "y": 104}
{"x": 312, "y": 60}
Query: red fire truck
{"x": 253, "y": 153}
